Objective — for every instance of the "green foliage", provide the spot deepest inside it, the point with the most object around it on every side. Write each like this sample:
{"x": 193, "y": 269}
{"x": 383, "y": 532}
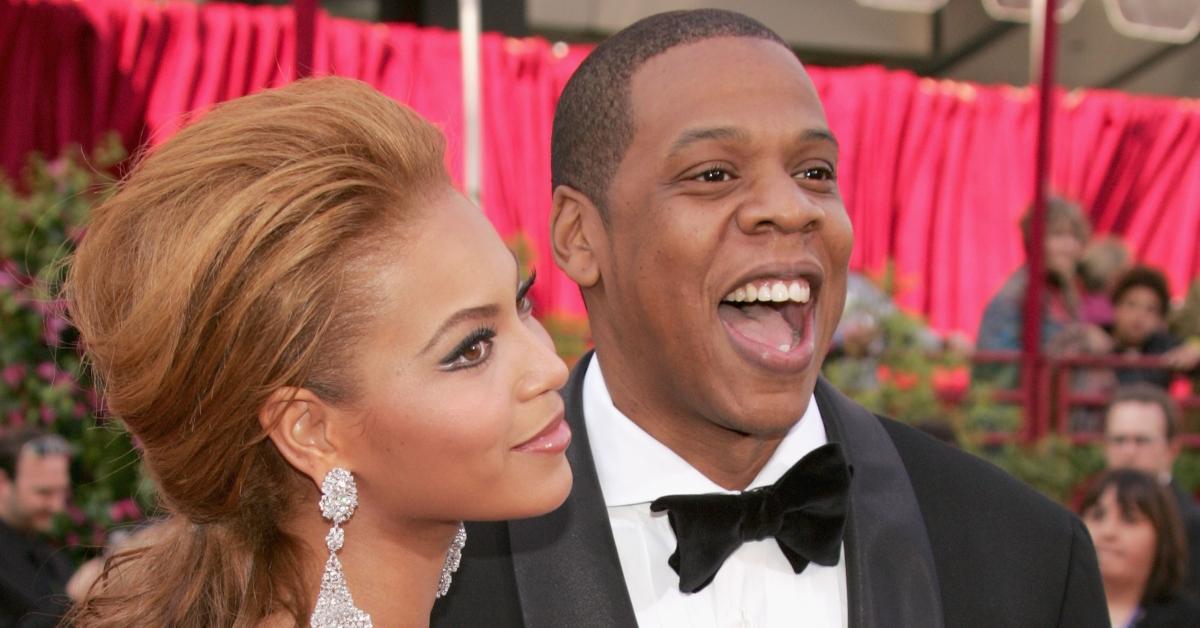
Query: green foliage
{"x": 42, "y": 380}
{"x": 1052, "y": 465}
{"x": 915, "y": 380}
{"x": 1187, "y": 470}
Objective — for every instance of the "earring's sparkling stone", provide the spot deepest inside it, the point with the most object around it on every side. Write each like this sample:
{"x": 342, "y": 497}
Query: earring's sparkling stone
{"x": 339, "y": 495}
{"x": 335, "y": 539}
{"x": 453, "y": 560}
{"x": 335, "y": 608}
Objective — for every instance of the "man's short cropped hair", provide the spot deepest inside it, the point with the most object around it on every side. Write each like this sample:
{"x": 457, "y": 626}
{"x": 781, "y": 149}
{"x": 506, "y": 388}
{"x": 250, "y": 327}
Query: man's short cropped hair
{"x": 593, "y": 123}
{"x": 42, "y": 444}
{"x": 1145, "y": 277}
{"x": 1143, "y": 392}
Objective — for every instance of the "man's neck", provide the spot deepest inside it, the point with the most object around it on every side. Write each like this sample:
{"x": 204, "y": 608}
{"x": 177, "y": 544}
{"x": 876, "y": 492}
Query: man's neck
{"x": 6, "y": 520}
{"x": 729, "y": 458}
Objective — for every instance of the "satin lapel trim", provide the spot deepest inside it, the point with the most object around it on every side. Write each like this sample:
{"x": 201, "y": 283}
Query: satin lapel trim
{"x": 566, "y": 564}
{"x": 891, "y": 579}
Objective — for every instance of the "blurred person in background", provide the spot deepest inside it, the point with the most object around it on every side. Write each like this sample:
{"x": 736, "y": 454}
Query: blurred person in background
{"x": 1185, "y": 324}
{"x": 1103, "y": 262}
{"x": 34, "y": 486}
{"x": 1141, "y": 548}
{"x": 1141, "y": 431}
{"x": 1141, "y": 302}
{"x": 1064, "y": 331}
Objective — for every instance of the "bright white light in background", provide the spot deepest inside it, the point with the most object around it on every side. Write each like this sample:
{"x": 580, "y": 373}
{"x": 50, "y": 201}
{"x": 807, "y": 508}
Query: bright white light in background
{"x": 912, "y": 6}
{"x": 1018, "y": 10}
{"x": 1172, "y": 21}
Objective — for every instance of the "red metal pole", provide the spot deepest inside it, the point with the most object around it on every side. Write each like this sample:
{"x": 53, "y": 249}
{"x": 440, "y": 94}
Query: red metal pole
{"x": 306, "y": 30}
{"x": 1043, "y": 66}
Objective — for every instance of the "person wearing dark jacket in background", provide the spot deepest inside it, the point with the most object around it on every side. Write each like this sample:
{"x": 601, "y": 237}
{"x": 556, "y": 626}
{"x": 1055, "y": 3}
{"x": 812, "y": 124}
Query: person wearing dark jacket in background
{"x": 34, "y": 485}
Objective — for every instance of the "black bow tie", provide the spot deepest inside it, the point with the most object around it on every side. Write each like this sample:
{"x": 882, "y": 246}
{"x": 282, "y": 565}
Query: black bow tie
{"x": 804, "y": 511}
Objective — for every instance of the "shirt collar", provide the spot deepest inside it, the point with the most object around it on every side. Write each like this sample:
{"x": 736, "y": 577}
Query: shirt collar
{"x": 634, "y": 468}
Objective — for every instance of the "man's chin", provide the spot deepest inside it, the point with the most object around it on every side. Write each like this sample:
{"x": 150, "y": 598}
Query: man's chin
{"x": 773, "y": 418}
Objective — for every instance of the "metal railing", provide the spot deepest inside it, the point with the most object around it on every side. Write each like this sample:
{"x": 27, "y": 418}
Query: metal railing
{"x": 1057, "y": 398}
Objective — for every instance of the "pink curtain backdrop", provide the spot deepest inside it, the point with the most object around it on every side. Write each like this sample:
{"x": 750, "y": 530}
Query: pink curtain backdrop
{"x": 934, "y": 174}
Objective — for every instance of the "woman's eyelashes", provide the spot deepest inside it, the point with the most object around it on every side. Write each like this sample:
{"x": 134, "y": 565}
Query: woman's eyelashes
{"x": 472, "y": 351}
{"x": 524, "y": 303}
{"x": 477, "y": 347}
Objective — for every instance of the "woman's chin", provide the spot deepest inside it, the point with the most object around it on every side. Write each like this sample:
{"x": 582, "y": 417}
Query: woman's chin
{"x": 537, "y": 498}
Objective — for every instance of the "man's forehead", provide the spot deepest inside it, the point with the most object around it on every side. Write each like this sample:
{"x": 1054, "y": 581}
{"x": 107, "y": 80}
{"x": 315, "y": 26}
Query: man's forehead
{"x": 30, "y": 463}
{"x": 695, "y": 67}
{"x": 1136, "y": 417}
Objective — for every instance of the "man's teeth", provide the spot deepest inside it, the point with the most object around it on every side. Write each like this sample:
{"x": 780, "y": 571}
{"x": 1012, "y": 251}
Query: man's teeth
{"x": 771, "y": 292}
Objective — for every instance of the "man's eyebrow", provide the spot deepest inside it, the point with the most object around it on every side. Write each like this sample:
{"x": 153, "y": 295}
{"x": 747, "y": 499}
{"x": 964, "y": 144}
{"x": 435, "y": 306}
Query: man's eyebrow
{"x": 819, "y": 135}
{"x": 692, "y": 136}
{"x": 721, "y": 133}
{"x": 479, "y": 312}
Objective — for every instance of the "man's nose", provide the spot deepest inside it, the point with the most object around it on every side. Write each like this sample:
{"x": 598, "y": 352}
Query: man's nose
{"x": 780, "y": 203}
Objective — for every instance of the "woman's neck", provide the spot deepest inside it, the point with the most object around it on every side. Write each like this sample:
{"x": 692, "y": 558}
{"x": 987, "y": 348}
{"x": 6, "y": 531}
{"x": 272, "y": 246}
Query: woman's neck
{"x": 1123, "y": 601}
{"x": 392, "y": 570}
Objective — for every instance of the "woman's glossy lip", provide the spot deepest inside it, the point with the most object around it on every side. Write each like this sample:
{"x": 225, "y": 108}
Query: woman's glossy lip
{"x": 552, "y": 439}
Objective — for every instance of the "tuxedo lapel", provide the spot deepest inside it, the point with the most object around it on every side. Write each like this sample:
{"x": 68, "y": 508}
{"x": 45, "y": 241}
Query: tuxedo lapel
{"x": 566, "y": 564}
{"x": 891, "y": 579}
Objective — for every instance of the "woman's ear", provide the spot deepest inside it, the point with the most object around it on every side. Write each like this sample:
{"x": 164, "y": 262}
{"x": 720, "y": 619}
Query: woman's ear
{"x": 573, "y": 236}
{"x": 299, "y": 424}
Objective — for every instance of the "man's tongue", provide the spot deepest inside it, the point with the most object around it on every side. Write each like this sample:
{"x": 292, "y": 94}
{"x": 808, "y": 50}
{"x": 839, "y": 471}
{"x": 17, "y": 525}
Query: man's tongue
{"x": 760, "y": 323}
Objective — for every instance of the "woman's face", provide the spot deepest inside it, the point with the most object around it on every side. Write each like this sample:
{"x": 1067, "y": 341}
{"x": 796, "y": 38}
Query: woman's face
{"x": 458, "y": 415}
{"x": 1064, "y": 249}
{"x": 1125, "y": 542}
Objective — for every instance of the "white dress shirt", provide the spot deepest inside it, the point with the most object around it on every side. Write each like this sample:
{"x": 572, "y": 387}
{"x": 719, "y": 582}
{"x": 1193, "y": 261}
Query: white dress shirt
{"x": 755, "y": 586}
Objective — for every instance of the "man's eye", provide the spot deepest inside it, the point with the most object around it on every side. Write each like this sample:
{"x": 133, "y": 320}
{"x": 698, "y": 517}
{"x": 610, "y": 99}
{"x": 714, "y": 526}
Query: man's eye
{"x": 819, "y": 173}
{"x": 714, "y": 175}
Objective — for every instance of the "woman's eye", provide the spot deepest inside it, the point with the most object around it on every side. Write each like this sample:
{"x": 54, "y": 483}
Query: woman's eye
{"x": 472, "y": 355}
{"x": 524, "y": 303}
{"x": 474, "y": 350}
{"x": 714, "y": 175}
{"x": 524, "y": 306}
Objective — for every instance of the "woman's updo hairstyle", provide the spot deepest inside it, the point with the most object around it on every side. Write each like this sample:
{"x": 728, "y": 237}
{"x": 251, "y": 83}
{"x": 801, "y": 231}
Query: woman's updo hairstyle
{"x": 234, "y": 260}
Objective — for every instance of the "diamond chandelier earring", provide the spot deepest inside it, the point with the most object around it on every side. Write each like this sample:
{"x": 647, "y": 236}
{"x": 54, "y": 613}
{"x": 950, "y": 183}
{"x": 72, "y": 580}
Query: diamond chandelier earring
{"x": 453, "y": 560}
{"x": 335, "y": 608}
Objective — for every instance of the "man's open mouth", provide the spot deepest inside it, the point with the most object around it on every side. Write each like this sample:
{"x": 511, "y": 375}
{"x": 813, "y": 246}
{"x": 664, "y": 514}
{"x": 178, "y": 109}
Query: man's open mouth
{"x": 769, "y": 312}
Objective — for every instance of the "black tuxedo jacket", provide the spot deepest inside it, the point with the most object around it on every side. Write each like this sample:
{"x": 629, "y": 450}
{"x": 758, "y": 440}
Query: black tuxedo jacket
{"x": 1189, "y": 514}
{"x": 934, "y": 537}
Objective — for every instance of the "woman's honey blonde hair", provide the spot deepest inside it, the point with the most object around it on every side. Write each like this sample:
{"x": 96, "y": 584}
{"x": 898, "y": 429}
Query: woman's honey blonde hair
{"x": 234, "y": 260}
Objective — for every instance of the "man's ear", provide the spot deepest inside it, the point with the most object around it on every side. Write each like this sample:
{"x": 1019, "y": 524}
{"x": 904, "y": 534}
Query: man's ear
{"x": 299, "y": 424}
{"x": 1175, "y": 447}
{"x": 576, "y": 233}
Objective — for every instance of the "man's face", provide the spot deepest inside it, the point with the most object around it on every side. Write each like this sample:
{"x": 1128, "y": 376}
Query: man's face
{"x": 38, "y": 492}
{"x": 1136, "y": 438}
{"x": 1136, "y": 316}
{"x": 728, "y": 184}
